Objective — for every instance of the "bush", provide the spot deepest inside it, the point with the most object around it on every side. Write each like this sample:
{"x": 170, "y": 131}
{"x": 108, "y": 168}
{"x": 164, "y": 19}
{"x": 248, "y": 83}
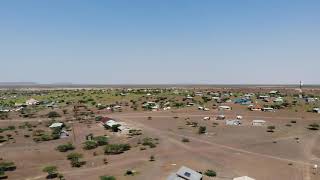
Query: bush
{"x": 101, "y": 140}
{"x": 202, "y": 130}
{"x": 210, "y": 173}
{"x": 314, "y": 126}
{"x": 53, "y": 114}
{"x": 271, "y": 128}
{"x": 65, "y": 147}
{"x": 148, "y": 142}
{"x": 51, "y": 170}
{"x": 107, "y": 178}
{"x": 90, "y": 145}
{"x": 116, "y": 148}
{"x": 7, "y": 166}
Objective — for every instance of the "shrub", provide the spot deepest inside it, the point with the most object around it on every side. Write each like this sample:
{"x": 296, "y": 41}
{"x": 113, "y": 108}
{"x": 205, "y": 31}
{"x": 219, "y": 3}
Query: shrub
{"x": 210, "y": 173}
{"x": 101, "y": 140}
{"x": 65, "y": 147}
{"x": 116, "y": 148}
{"x": 148, "y": 142}
{"x": 7, "y": 166}
{"x": 271, "y": 128}
{"x": 152, "y": 158}
{"x": 107, "y": 178}
{"x": 53, "y": 114}
{"x": 185, "y": 140}
{"x": 90, "y": 145}
{"x": 314, "y": 126}
{"x": 202, "y": 130}
{"x": 51, "y": 170}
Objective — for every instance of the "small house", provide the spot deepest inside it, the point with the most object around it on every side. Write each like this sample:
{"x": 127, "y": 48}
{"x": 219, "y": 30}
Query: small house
{"x": 258, "y": 122}
{"x": 56, "y": 125}
{"x": 316, "y": 110}
{"x": 233, "y": 122}
{"x": 225, "y": 108}
{"x": 32, "y": 102}
{"x": 267, "y": 109}
{"x": 255, "y": 107}
{"x": 185, "y": 173}
{"x": 243, "y": 178}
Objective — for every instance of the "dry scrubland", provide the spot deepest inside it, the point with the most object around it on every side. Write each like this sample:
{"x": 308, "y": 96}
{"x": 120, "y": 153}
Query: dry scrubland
{"x": 166, "y": 133}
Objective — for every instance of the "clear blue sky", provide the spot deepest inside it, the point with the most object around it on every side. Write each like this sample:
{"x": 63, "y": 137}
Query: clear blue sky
{"x": 160, "y": 41}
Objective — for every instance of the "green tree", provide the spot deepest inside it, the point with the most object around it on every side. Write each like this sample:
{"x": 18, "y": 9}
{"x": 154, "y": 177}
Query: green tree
{"x": 210, "y": 173}
{"x": 51, "y": 170}
{"x": 202, "y": 130}
{"x": 90, "y": 145}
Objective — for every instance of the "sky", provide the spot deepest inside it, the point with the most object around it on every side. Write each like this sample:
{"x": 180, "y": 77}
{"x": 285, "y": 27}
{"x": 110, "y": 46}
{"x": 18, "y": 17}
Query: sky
{"x": 160, "y": 41}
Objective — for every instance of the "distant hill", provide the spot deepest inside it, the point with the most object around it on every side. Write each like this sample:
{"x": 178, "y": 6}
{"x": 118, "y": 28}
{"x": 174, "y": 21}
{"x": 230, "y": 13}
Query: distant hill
{"x": 17, "y": 83}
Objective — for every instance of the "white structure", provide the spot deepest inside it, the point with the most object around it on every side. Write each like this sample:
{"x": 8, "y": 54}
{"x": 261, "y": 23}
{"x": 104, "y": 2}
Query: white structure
{"x": 267, "y": 109}
{"x": 206, "y": 118}
{"x": 239, "y": 117}
{"x": 234, "y": 122}
{"x": 225, "y": 108}
{"x": 185, "y": 173}
{"x": 243, "y": 178}
{"x": 56, "y": 125}
{"x": 316, "y": 110}
{"x": 32, "y": 102}
{"x": 258, "y": 122}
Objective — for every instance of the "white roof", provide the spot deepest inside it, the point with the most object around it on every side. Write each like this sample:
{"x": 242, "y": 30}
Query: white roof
{"x": 188, "y": 173}
{"x": 243, "y": 178}
{"x": 259, "y": 121}
{"x": 110, "y": 123}
{"x": 54, "y": 125}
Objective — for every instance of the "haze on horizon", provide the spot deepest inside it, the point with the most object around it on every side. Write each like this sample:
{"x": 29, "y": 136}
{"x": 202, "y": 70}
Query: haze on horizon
{"x": 160, "y": 42}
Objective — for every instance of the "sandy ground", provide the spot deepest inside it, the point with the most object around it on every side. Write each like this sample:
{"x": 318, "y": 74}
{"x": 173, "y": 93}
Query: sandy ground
{"x": 230, "y": 151}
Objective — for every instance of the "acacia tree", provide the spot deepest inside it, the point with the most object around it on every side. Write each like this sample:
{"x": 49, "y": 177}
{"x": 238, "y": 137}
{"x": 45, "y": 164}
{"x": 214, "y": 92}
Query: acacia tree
{"x": 51, "y": 170}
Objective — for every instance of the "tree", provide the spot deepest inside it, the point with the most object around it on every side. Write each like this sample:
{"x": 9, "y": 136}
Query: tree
{"x": 53, "y": 114}
{"x": 202, "y": 130}
{"x": 107, "y": 178}
{"x": 65, "y": 147}
{"x": 210, "y": 173}
{"x": 271, "y": 128}
{"x": 101, "y": 140}
{"x": 152, "y": 158}
{"x": 115, "y": 128}
{"x": 90, "y": 145}
{"x": 116, "y": 148}
{"x": 314, "y": 126}
{"x": 75, "y": 159}
{"x": 51, "y": 170}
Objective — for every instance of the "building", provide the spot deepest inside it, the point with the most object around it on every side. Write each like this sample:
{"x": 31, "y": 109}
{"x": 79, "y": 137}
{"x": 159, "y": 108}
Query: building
{"x": 316, "y": 110}
{"x": 255, "y": 107}
{"x": 267, "y": 109}
{"x": 56, "y": 125}
{"x": 185, "y": 173}
{"x": 225, "y": 108}
{"x": 258, "y": 122}
{"x": 243, "y": 178}
{"x": 233, "y": 122}
{"x": 32, "y": 102}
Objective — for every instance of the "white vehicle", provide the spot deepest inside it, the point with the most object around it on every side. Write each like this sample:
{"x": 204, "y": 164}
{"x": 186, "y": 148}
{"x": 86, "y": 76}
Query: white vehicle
{"x": 206, "y": 109}
{"x": 239, "y": 117}
{"x": 200, "y": 108}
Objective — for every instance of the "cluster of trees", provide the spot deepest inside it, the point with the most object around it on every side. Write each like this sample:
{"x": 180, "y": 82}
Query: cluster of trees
{"x": 95, "y": 142}
{"x": 116, "y": 148}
